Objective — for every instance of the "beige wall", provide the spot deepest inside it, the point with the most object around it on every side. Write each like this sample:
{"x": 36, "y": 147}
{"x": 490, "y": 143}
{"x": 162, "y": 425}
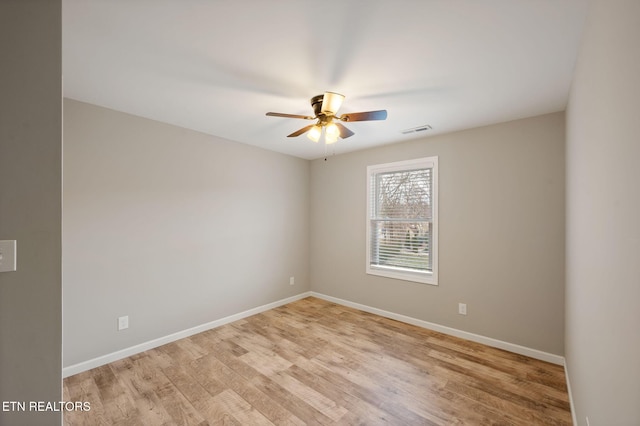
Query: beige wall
{"x": 603, "y": 218}
{"x": 173, "y": 228}
{"x": 501, "y": 232}
{"x": 30, "y": 206}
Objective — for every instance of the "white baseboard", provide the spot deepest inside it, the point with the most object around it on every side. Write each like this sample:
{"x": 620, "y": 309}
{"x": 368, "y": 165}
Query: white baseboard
{"x": 573, "y": 411}
{"x": 114, "y": 356}
{"x": 511, "y": 347}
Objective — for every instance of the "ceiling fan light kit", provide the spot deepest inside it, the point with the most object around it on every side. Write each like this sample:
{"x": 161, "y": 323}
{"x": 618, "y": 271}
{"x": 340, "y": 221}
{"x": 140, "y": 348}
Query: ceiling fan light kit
{"x": 332, "y": 131}
{"x": 314, "y": 133}
{"x": 331, "y": 103}
{"x": 325, "y": 107}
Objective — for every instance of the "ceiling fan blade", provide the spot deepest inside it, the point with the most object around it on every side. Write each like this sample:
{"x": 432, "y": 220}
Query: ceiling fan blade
{"x": 301, "y": 131}
{"x": 344, "y": 132}
{"x": 279, "y": 114}
{"x": 365, "y": 116}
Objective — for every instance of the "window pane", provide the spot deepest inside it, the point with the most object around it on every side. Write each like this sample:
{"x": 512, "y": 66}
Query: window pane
{"x": 405, "y": 195}
{"x": 401, "y": 244}
{"x": 402, "y": 215}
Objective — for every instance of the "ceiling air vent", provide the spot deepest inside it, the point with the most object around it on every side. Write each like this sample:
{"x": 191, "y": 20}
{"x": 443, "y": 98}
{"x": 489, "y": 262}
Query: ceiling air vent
{"x": 417, "y": 129}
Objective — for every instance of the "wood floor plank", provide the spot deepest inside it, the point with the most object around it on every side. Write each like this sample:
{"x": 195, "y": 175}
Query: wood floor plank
{"x": 142, "y": 384}
{"x": 240, "y": 409}
{"x": 119, "y": 406}
{"x": 190, "y": 388}
{"x": 82, "y": 387}
{"x": 367, "y": 389}
{"x": 261, "y": 401}
{"x": 309, "y": 395}
{"x": 493, "y": 375}
{"x": 319, "y": 363}
{"x": 360, "y": 406}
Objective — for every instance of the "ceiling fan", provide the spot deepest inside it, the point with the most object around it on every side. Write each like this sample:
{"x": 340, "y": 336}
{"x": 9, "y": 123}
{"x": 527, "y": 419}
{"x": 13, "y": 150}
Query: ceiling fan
{"x": 325, "y": 108}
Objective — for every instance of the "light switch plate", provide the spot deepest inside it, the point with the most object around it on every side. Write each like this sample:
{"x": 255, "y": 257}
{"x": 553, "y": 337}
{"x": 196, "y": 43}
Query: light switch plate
{"x": 8, "y": 255}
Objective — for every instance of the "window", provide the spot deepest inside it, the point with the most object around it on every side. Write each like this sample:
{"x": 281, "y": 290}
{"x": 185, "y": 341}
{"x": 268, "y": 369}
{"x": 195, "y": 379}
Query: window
{"x": 402, "y": 220}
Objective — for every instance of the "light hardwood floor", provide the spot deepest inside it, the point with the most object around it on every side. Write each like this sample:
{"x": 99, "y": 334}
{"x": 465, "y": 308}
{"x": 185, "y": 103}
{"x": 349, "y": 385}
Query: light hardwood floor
{"x": 315, "y": 362}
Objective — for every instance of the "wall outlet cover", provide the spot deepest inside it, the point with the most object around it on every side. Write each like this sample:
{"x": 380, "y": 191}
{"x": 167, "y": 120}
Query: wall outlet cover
{"x": 8, "y": 256}
{"x": 123, "y": 323}
{"x": 462, "y": 308}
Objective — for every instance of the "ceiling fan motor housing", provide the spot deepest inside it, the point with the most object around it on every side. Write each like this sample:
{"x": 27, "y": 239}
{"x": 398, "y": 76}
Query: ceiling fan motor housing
{"x": 316, "y": 104}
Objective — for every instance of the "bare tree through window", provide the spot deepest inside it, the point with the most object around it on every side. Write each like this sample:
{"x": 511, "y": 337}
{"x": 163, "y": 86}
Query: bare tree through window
{"x": 402, "y": 222}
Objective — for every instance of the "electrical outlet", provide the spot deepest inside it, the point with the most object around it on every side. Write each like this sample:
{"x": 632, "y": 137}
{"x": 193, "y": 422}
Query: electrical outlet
{"x": 292, "y": 280}
{"x": 462, "y": 308}
{"x": 123, "y": 322}
{"x": 7, "y": 256}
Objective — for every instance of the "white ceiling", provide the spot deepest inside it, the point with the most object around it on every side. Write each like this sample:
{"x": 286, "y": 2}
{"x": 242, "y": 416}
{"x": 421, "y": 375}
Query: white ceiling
{"x": 219, "y": 66}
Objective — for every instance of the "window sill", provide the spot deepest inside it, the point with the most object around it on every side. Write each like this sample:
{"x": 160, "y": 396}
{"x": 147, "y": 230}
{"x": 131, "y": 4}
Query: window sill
{"x": 405, "y": 275}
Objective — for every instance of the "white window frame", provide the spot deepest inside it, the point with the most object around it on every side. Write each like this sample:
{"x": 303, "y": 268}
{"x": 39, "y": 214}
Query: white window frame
{"x": 426, "y": 277}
